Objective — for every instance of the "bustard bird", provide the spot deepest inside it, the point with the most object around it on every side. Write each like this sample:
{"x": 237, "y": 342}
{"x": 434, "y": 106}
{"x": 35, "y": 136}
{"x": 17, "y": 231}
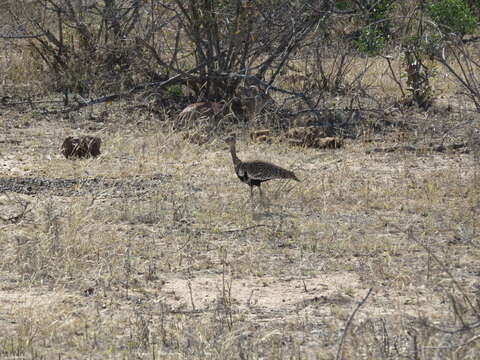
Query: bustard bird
{"x": 253, "y": 173}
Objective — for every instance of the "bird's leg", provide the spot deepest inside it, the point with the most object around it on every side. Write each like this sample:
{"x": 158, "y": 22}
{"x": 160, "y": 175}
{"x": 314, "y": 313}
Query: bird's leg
{"x": 252, "y": 202}
{"x": 261, "y": 195}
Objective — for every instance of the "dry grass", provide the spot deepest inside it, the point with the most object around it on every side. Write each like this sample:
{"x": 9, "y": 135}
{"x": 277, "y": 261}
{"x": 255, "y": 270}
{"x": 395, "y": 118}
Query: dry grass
{"x": 161, "y": 255}
{"x": 188, "y": 269}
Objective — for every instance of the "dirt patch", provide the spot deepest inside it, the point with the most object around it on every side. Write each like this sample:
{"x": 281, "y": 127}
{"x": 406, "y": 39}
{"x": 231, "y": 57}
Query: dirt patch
{"x": 263, "y": 294}
{"x": 124, "y": 187}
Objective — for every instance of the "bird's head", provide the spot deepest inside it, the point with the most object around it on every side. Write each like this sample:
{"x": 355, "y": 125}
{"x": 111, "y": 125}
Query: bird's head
{"x": 231, "y": 140}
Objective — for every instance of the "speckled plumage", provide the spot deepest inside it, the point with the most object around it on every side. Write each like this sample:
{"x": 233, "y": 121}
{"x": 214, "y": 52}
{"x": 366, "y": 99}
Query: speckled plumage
{"x": 253, "y": 173}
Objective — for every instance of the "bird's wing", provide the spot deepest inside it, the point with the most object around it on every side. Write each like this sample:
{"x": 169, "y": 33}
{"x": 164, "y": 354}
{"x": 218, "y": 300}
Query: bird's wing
{"x": 260, "y": 170}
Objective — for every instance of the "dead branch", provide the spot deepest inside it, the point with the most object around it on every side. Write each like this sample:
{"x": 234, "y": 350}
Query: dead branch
{"x": 125, "y": 94}
{"x": 4, "y": 101}
{"x": 243, "y": 229}
{"x": 17, "y": 37}
{"x": 349, "y": 321}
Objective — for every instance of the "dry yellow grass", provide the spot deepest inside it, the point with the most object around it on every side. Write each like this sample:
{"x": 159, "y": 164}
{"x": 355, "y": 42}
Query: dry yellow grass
{"x": 163, "y": 256}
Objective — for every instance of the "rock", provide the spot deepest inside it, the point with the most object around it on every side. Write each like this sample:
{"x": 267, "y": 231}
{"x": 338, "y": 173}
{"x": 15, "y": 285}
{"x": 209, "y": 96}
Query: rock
{"x": 81, "y": 146}
{"x": 256, "y": 135}
{"x": 264, "y": 138}
{"x": 261, "y": 136}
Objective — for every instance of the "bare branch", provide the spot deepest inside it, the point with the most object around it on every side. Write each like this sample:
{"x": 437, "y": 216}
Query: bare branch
{"x": 349, "y": 322}
{"x": 34, "y": 36}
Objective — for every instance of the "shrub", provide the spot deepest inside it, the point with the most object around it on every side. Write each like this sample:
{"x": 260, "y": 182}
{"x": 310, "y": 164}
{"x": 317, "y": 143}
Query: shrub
{"x": 372, "y": 38}
{"x": 453, "y": 16}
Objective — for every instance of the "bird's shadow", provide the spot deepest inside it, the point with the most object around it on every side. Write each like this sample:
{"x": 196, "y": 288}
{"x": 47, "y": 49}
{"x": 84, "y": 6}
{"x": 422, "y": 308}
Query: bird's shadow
{"x": 257, "y": 216}
{"x": 263, "y": 211}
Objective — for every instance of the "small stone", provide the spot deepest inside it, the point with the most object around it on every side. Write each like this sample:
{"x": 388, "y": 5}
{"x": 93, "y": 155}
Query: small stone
{"x": 313, "y": 137}
{"x": 256, "y": 135}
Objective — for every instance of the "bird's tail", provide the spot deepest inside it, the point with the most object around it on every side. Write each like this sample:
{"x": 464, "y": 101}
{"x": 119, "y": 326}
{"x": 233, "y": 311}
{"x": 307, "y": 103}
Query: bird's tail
{"x": 294, "y": 177}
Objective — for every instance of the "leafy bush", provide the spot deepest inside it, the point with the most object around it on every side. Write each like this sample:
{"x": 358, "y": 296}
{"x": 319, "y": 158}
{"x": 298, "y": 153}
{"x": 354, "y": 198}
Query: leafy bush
{"x": 370, "y": 41}
{"x": 372, "y": 38}
{"x": 453, "y": 16}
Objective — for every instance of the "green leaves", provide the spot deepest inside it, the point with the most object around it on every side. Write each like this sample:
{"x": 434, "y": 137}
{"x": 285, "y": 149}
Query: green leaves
{"x": 453, "y": 16}
{"x": 372, "y": 37}
{"x": 370, "y": 41}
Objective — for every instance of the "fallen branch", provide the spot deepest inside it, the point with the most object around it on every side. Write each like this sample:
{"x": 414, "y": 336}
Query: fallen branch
{"x": 4, "y": 101}
{"x": 36, "y": 36}
{"x": 233, "y": 230}
{"x": 438, "y": 148}
{"x": 243, "y": 229}
{"x": 112, "y": 97}
{"x": 117, "y": 96}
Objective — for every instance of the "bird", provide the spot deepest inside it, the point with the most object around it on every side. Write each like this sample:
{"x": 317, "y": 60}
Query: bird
{"x": 253, "y": 173}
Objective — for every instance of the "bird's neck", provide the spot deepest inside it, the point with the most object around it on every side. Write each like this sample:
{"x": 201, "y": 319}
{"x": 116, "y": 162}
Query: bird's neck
{"x": 233, "y": 151}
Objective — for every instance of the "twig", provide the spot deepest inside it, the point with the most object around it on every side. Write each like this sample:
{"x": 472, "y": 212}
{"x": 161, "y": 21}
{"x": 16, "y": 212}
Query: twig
{"x": 243, "y": 229}
{"x": 189, "y": 283}
{"x": 8, "y": 103}
{"x": 349, "y": 321}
